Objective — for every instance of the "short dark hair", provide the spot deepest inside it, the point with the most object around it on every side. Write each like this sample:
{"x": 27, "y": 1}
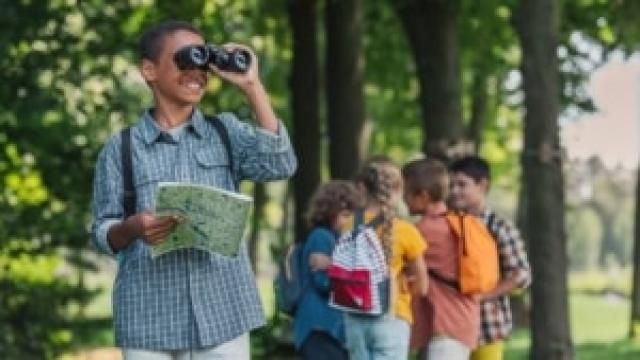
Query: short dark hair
{"x": 428, "y": 175}
{"x": 475, "y": 167}
{"x": 151, "y": 41}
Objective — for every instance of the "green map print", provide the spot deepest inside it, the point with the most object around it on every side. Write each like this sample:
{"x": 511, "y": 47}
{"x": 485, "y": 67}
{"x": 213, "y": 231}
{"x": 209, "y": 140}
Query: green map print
{"x": 214, "y": 219}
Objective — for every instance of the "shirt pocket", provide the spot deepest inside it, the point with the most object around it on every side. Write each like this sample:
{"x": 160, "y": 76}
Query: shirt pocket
{"x": 212, "y": 167}
{"x": 146, "y": 184}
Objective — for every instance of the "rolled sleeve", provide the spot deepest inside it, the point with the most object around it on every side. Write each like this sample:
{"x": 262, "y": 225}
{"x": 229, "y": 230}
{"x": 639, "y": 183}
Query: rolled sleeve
{"x": 513, "y": 257}
{"x": 273, "y": 142}
{"x": 262, "y": 155}
{"x": 107, "y": 196}
{"x": 101, "y": 239}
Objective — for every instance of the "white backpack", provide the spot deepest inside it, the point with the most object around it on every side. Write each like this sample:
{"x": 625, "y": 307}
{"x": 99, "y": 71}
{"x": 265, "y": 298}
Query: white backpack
{"x": 359, "y": 274}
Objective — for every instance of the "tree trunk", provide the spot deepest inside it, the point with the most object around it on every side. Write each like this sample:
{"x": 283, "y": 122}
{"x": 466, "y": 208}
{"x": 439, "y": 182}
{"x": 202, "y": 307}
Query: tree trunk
{"x": 479, "y": 100}
{"x": 259, "y": 200}
{"x": 304, "y": 103}
{"x": 536, "y": 22}
{"x": 634, "y": 329}
{"x": 345, "y": 98}
{"x": 431, "y": 28}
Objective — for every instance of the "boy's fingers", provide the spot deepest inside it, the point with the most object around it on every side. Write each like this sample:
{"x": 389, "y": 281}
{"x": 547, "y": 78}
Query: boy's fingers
{"x": 165, "y": 229}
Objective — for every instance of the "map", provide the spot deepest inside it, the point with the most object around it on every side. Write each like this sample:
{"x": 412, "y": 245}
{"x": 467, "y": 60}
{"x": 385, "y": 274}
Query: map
{"x": 213, "y": 219}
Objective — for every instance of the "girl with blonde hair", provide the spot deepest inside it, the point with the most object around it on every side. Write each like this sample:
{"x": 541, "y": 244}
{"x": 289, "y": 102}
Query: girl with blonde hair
{"x": 387, "y": 336}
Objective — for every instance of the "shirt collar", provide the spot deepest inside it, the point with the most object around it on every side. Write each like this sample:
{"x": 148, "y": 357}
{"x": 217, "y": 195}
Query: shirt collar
{"x": 151, "y": 131}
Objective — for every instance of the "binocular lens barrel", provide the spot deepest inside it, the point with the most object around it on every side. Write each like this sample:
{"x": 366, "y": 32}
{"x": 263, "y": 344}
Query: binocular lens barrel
{"x": 203, "y": 56}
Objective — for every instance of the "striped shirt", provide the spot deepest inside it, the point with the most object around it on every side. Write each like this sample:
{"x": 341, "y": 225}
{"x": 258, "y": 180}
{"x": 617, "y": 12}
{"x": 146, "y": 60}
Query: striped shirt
{"x": 496, "y": 320}
{"x": 187, "y": 298}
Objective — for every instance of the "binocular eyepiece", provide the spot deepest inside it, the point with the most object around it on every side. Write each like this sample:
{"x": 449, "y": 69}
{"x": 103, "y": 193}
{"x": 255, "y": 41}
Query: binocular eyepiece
{"x": 203, "y": 56}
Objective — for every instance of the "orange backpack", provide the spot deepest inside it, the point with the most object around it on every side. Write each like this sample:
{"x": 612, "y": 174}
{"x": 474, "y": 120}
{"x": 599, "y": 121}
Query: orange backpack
{"x": 479, "y": 271}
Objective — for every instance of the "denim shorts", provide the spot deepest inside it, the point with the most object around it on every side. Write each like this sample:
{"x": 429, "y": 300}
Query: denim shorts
{"x": 377, "y": 338}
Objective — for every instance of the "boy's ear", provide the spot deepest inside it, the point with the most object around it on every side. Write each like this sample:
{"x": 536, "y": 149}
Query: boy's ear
{"x": 484, "y": 185}
{"x": 148, "y": 70}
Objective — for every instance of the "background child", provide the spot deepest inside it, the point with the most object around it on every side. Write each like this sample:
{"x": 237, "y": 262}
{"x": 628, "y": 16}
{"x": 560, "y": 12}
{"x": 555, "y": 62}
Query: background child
{"x": 446, "y": 321}
{"x": 387, "y": 336}
{"x": 318, "y": 328}
{"x": 470, "y": 184}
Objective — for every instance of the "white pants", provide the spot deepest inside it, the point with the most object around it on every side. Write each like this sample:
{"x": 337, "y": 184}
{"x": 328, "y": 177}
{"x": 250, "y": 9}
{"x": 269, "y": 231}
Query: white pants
{"x": 236, "y": 349}
{"x": 446, "y": 348}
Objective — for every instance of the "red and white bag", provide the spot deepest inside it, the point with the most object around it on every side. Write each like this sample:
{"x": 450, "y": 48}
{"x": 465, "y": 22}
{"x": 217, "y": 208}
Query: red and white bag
{"x": 359, "y": 274}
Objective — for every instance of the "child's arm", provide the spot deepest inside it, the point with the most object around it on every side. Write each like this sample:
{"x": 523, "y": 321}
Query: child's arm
{"x": 253, "y": 89}
{"x": 416, "y": 271}
{"x": 318, "y": 262}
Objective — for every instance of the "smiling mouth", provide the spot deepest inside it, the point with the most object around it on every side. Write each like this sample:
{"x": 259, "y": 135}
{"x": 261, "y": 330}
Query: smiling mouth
{"x": 194, "y": 85}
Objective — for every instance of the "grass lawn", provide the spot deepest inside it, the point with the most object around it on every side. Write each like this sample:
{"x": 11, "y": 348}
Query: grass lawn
{"x": 599, "y": 326}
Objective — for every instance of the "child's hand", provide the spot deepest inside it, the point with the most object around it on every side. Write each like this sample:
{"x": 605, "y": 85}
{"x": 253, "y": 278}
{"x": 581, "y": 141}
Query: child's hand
{"x": 245, "y": 81}
{"x": 153, "y": 229}
{"x": 319, "y": 262}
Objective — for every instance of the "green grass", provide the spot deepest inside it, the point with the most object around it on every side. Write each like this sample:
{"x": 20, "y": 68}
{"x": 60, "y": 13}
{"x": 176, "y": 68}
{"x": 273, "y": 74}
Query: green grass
{"x": 599, "y": 327}
{"x": 596, "y": 282}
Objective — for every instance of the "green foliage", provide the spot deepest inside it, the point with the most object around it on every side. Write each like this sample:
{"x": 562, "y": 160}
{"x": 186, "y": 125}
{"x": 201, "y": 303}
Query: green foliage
{"x": 599, "y": 325}
{"x": 584, "y": 232}
{"x": 69, "y": 76}
{"x": 70, "y": 81}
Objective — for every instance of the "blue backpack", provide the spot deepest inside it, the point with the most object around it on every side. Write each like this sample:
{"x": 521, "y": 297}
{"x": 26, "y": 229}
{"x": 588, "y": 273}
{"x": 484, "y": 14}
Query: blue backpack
{"x": 289, "y": 284}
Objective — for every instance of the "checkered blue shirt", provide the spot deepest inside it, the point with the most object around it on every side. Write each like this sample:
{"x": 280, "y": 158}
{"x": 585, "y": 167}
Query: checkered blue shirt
{"x": 496, "y": 320}
{"x": 187, "y": 298}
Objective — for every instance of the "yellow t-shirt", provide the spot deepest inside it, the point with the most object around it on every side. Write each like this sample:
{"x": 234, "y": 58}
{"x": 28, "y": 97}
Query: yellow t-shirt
{"x": 407, "y": 245}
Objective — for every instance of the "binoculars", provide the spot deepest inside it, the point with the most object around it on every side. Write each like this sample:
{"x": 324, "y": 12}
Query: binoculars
{"x": 203, "y": 56}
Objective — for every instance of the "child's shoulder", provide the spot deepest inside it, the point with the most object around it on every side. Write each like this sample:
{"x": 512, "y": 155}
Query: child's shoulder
{"x": 406, "y": 230}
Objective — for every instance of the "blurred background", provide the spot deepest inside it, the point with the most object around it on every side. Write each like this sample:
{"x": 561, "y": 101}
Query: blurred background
{"x": 547, "y": 90}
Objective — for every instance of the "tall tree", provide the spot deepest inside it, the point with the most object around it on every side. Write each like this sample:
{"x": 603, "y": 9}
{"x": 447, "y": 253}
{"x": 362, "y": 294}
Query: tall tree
{"x": 536, "y": 23}
{"x": 431, "y": 26}
{"x": 634, "y": 329}
{"x": 304, "y": 101}
{"x": 345, "y": 98}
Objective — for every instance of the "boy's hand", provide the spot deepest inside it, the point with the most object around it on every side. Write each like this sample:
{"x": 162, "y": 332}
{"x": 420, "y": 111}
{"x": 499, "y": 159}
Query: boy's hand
{"x": 252, "y": 88}
{"x": 151, "y": 228}
{"x": 245, "y": 81}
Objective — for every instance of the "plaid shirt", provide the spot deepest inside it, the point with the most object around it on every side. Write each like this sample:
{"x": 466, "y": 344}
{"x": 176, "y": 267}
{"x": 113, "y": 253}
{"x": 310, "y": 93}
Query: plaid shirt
{"x": 187, "y": 298}
{"x": 496, "y": 322}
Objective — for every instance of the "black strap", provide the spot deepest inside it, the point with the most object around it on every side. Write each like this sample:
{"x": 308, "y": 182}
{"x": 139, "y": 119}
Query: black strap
{"x": 450, "y": 282}
{"x": 359, "y": 219}
{"x": 226, "y": 141}
{"x": 491, "y": 225}
{"x": 129, "y": 191}
{"x": 129, "y": 194}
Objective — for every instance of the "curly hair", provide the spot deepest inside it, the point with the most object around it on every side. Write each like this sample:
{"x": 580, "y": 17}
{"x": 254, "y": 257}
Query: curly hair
{"x": 329, "y": 200}
{"x": 382, "y": 179}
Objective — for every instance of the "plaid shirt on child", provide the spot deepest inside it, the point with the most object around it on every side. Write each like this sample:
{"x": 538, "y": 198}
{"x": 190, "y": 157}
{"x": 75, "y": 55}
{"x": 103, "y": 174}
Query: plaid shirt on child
{"x": 496, "y": 322}
{"x": 187, "y": 298}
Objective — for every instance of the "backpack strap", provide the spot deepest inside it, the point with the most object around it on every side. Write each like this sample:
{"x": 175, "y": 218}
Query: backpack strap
{"x": 441, "y": 278}
{"x": 223, "y": 133}
{"x": 129, "y": 191}
{"x": 358, "y": 219}
{"x": 377, "y": 221}
{"x": 459, "y": 217}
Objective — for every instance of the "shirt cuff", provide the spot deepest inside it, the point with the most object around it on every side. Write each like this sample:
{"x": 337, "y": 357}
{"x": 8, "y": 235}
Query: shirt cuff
{"x": 273, "y": 142}
{"x": 102, "y": 233}
{"x": 523, "y": 279}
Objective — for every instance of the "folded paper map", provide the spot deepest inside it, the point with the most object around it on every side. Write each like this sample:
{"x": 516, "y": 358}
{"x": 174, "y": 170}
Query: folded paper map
{"x": 213, "y": 219}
